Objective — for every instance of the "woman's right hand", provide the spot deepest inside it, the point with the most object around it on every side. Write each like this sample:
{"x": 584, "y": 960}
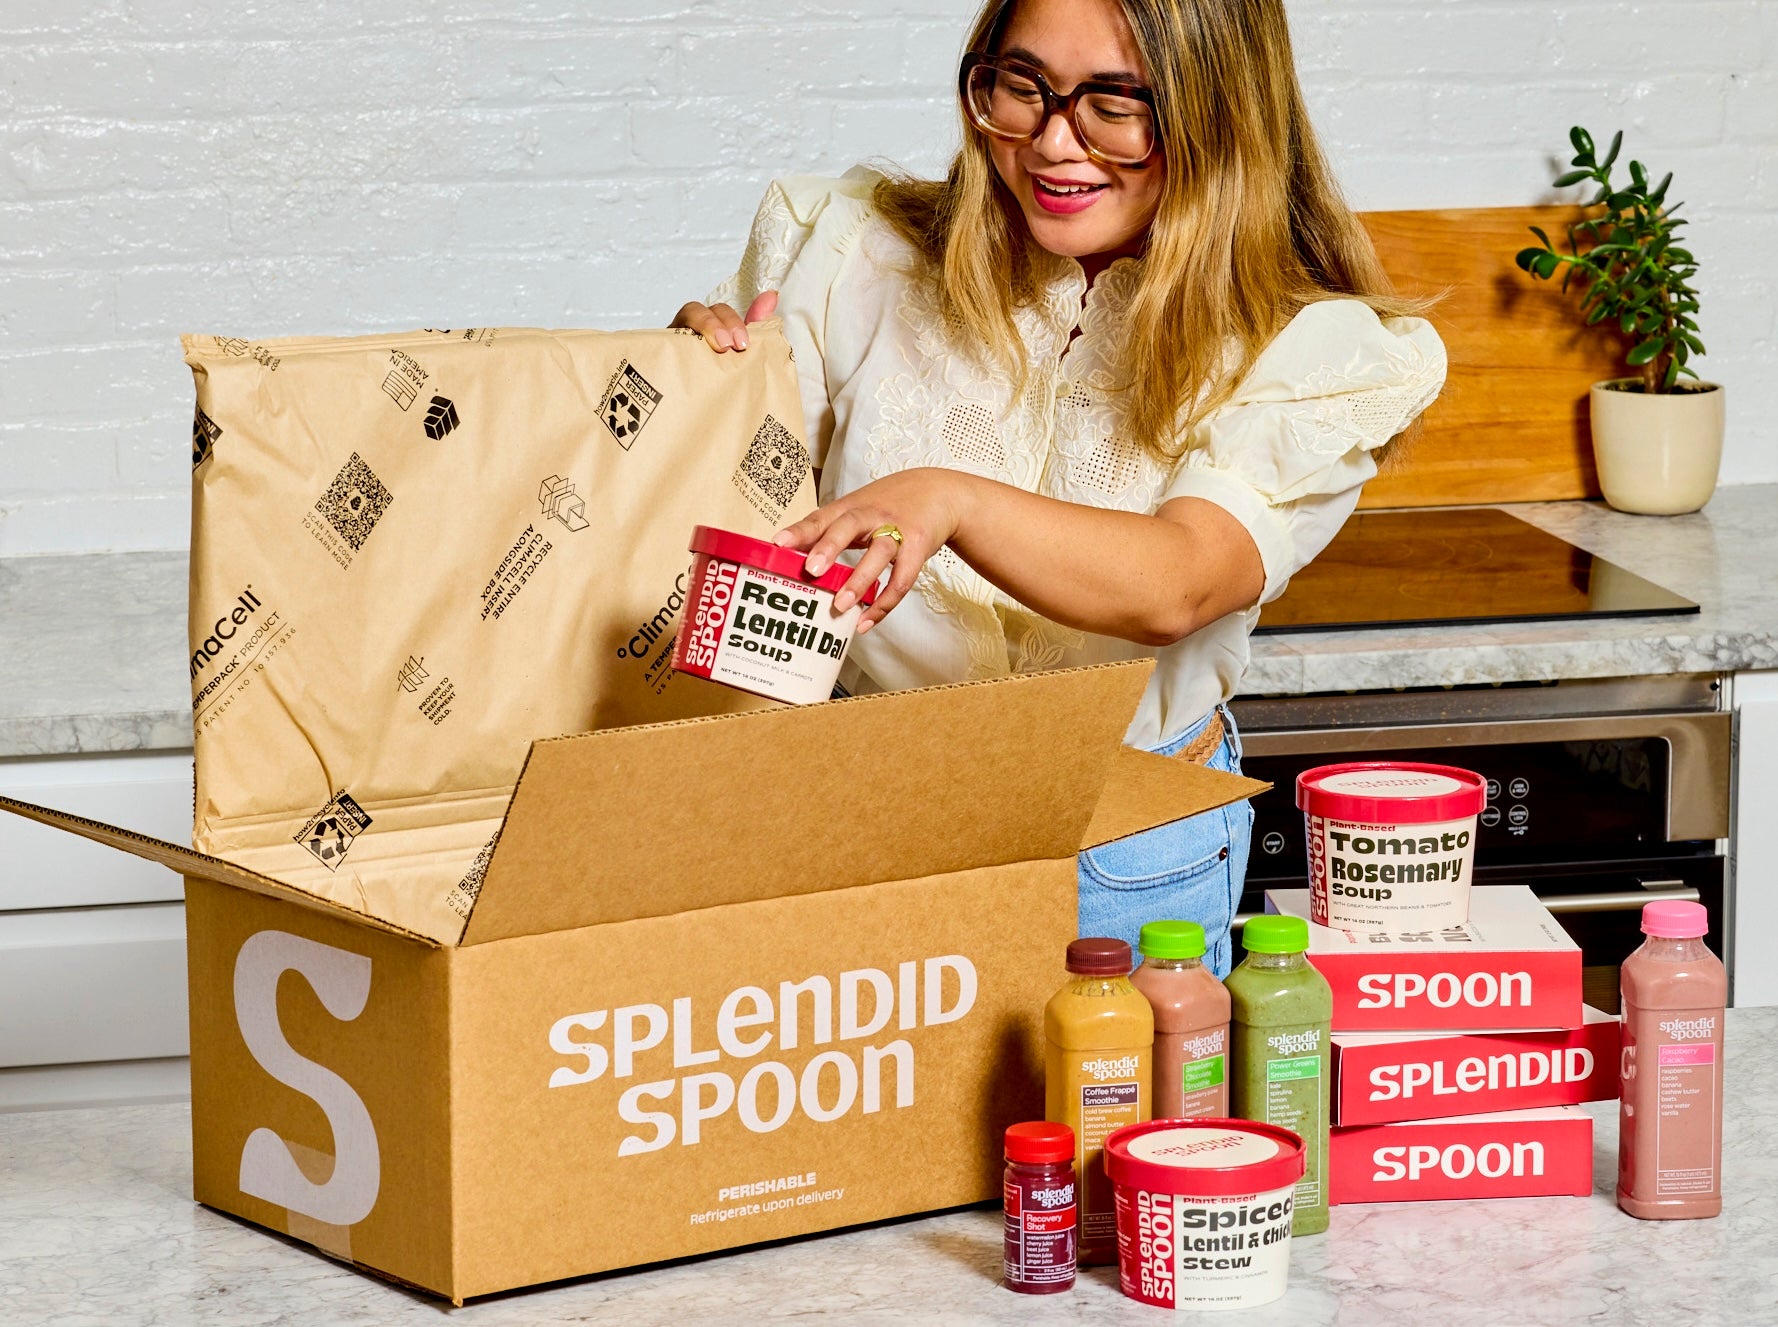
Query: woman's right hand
{"x": 720, "y": 326}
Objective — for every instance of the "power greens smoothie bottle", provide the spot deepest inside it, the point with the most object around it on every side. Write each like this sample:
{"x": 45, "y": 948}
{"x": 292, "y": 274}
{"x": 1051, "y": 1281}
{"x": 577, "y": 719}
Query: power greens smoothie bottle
{"x": 1669, "y": 1150}
{"x": 1281, "y": 1009}
{"x": 1191, "y": 1022}
{"x": 1098, "y": 1034}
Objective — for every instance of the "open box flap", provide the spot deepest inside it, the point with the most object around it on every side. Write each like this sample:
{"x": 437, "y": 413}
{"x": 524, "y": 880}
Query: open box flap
{"x": 184, "y": 861}
{"x": 666, "y": 818}
{"x": 1143, "y": 790}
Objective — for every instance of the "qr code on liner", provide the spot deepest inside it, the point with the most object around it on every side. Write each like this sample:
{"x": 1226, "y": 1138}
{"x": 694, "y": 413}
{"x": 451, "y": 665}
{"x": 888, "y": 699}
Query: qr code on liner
{"x": 354, "y": 502}
{"x": 776, "y": 463}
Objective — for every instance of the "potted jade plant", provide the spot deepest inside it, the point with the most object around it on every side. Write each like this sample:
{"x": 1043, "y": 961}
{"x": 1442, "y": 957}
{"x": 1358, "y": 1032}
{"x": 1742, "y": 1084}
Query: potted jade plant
{"x": 1657, "y": 437}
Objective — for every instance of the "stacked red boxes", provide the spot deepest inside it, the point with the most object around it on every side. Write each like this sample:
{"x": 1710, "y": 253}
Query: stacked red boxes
{"x": 1460, "y": 1055}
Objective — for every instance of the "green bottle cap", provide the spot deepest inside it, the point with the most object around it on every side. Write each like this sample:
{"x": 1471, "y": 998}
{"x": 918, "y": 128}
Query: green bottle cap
{"x": 1171, "y": 940}
{"x": 1276, "y": 935}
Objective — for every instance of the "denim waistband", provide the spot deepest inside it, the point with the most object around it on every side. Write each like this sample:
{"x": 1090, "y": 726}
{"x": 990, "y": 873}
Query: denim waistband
{"x": 1231, "y": 735}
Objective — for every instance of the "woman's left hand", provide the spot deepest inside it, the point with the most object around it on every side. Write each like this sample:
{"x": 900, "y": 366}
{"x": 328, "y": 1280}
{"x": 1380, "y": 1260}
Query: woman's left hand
{"x": 926, "y": 505}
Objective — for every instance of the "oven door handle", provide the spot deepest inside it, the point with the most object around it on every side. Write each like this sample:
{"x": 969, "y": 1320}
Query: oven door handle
{"x": 1628, "y": 900}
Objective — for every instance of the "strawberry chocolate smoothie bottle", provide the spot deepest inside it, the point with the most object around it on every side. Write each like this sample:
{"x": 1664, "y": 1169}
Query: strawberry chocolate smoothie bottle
{"x": 1191, "y": 1022}
{"x": 1669, "y": 1152}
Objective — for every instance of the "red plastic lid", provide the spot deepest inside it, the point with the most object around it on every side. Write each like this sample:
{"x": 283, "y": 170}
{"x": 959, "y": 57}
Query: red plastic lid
{"x": 1039, "y": 1141}
{"x": 767, "y": 556}
{"x": 1204, "y": 1158}
{"x": 1100, "y": 956}
{"x": 1675, "y": 919}
{"x": 1390, "y": 792}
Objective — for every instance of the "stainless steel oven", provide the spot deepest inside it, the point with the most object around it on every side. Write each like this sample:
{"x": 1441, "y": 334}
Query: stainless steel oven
{"x": 1602, "y": 795}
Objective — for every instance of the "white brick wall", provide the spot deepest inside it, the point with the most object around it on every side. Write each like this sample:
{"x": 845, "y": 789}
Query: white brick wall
{"x": 257, "y": 169}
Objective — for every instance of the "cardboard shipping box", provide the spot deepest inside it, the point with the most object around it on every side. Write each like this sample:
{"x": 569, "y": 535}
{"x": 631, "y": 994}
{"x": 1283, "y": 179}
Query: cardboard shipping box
{"x": 1510, "y": 966}
{"x": 725, "y": 980}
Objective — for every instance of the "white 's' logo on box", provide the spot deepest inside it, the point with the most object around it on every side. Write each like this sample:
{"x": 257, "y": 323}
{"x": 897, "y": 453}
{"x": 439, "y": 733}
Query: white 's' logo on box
{"x": 341, "y": 980}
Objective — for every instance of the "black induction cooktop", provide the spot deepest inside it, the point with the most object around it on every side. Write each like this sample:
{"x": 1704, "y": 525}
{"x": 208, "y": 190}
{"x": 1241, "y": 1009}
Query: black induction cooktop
{"x": 1436, "y": 566}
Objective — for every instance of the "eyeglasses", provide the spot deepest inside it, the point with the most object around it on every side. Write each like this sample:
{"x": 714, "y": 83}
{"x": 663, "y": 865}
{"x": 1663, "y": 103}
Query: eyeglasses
{"x": 1010, "y": 101}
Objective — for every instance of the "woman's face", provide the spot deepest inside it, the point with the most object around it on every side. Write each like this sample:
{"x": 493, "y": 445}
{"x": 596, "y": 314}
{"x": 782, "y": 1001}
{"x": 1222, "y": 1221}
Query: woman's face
{"x": 1069, "y": 42}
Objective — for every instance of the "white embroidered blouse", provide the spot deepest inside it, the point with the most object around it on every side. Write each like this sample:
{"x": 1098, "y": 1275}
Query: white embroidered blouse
{"x": 883, "y": 391}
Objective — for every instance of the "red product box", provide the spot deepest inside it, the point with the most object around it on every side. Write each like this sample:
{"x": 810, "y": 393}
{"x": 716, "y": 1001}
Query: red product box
{"x": 1510, "y": 1154}
{"x": 1385, "y": 1077}
{"x": 1509, "y": 967}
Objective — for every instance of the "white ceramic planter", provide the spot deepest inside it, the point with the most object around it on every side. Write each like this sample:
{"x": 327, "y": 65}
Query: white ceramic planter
{"x": 1658, "y": 455}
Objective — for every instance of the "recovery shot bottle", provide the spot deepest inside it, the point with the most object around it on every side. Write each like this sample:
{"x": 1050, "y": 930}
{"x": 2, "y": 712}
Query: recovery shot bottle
{"x": 1191, "y": 1022}
{"x": 1281, "y": 1010}
{"x": 1669, "y": 1151}
{"x": 1039, "y": 1208}
{"x": 1098, "y": 1036}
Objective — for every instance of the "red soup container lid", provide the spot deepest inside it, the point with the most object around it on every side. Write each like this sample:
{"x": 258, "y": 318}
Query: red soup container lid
{"x": 1391, "y": 792}
{"x": 1204, "y": 1157}
{"x": 767, "y": 556}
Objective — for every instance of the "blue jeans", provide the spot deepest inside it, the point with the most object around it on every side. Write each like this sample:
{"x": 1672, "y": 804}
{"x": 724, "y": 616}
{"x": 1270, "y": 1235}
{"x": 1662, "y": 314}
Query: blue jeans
{"x": 1189, "y": 870}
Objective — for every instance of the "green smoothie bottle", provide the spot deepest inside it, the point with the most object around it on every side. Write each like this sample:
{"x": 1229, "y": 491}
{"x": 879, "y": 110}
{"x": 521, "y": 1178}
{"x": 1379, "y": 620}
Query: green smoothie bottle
{"x": 1280, "y": 1015}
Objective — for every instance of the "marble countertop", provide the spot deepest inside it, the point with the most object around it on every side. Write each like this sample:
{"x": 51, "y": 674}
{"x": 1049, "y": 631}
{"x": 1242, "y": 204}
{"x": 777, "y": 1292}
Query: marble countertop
{"x": 96, "y": 1228}
{"x": 93, "y": 656}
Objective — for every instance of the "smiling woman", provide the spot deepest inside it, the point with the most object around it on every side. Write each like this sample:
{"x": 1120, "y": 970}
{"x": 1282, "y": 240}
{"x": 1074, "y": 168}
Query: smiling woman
{"x": 1099, "y": 392}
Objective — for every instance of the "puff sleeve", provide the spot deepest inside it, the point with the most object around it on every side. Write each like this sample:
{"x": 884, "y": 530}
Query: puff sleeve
{"x": 802, "y": 234}
{"x": 1287, "y": 454}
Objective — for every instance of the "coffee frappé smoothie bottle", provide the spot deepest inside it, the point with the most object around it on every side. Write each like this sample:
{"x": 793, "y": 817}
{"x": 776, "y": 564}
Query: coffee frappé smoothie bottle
{"x": 1098, "y": 1036}
{"x": 1282, "y": 1009}
{"x": 1669, "y": 1153}
{"x": 1191, "y": 1022}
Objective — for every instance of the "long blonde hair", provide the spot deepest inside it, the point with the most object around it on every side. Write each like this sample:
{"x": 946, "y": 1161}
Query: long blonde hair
{"x": 1250, "y": 228}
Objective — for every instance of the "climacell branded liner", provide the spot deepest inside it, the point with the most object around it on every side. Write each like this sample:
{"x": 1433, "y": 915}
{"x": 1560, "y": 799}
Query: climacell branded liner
{"x": 412, "y": 554}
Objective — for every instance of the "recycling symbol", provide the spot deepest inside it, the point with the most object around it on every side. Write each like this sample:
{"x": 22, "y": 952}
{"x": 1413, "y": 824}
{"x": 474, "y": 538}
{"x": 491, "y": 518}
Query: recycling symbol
{"x": 329, "y": 840}
{"x": 622, "y": 415}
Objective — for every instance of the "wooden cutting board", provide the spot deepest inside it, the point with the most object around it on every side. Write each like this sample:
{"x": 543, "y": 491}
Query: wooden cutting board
{"x": 1511, "y": 424}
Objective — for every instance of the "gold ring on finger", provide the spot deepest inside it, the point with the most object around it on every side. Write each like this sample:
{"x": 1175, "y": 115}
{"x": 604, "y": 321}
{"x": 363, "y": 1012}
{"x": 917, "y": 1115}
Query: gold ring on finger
{"x": 887, "y": 532}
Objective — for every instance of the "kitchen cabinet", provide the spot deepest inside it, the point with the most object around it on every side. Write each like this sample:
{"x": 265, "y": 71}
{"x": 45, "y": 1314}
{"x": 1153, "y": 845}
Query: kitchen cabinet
{"x": 92, "y": 984}
{"x": 92, "y": 941}
{"x": 149, "y": 792}
{"x": 1753, "y": 922}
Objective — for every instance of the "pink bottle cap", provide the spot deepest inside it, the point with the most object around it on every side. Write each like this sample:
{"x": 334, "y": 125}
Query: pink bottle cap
{"x": 1675, "y": 920}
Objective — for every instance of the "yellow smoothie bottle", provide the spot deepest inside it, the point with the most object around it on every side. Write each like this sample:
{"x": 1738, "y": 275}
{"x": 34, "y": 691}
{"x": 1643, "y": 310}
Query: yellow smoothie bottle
{"x": 1098, "y": 1039}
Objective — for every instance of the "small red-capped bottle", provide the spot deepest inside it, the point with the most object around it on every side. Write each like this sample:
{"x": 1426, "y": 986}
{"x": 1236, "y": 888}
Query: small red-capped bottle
{"x": 1040, "y": 1208}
